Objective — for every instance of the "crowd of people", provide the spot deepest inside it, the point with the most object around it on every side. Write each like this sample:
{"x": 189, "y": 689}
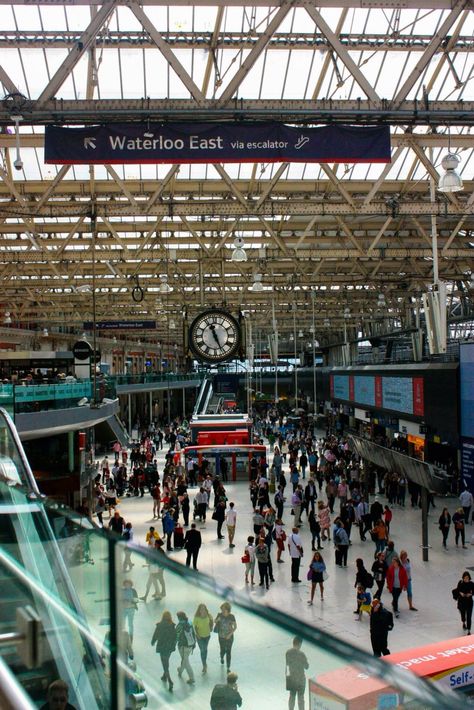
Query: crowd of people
{"x": 306, "y": 481}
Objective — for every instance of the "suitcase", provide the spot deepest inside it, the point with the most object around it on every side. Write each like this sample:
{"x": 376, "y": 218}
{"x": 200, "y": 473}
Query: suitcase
{"x": 178, "y": 537}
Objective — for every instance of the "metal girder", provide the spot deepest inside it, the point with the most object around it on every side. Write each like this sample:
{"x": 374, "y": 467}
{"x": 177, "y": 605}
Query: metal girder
{"x": 166, "y": 51}
{"x": 82, "y": 45}
{"x": 429, "y": 52}
{"x": 262, "y": 42}
{"x": 232, "y": 208}
{"x": 305, "y": 111}
{"x": 385, "y": 4}
{"x": 342, "y": 53}
{"x": 185, "y": 39}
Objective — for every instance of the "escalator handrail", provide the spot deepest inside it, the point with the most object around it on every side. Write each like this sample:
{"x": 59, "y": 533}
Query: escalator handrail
{"x": 30, "y": 482}
{"x": 12, "y": 694}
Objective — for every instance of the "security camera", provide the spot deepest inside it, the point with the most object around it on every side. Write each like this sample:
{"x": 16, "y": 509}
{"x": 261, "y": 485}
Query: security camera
{"x": 18, "y": 164}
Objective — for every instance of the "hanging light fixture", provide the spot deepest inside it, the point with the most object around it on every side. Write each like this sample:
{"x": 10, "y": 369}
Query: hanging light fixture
{"x": 327, "y": 323}
{"x": 239, "y": 253}
{"x": 471, "y": 282}
{"x": 451, "y": 181}
{"x": 381, "y": 302}
{"x": 164, "y": 285}
{"x": 311, "y": 329}
{"x": 115, "y": 339}
{"x": 257, "y": 283}
{"x": 291, "y": 337}
{"x": 347, "y": 312}
{"x": 8, "y": 319}
{"x": 45, "y": 333}
{"x": 300, "y": 334}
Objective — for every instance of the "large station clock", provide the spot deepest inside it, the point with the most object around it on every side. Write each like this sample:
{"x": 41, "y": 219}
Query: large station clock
{"x": 214, "y": 336}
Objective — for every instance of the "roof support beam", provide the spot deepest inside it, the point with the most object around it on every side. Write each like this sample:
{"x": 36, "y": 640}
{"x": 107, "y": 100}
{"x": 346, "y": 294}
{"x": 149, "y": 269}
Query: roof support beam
{"x": 252, "y": 57}
{"x": 166, "y": 51}
{"x": 427, "y": 55}
{"x": 87, "y": 38}
{"x": 342, "y": 53}
{"x": 47, "y": 194}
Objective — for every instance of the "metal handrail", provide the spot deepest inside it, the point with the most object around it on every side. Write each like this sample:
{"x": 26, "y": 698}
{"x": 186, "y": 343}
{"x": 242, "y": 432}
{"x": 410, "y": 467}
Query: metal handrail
{"x": 12, "y": 695}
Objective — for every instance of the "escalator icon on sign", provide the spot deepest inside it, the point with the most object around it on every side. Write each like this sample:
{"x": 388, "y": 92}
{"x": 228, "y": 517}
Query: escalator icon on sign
{"x": 302, "y": 140}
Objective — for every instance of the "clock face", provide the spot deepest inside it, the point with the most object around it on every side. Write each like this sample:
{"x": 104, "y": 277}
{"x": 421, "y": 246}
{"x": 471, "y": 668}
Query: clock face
{"x": 214, "y": 336}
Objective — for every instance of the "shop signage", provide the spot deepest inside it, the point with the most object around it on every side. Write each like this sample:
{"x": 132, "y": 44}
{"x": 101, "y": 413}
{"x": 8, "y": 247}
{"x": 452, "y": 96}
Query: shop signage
{"x": 216, "y": 143}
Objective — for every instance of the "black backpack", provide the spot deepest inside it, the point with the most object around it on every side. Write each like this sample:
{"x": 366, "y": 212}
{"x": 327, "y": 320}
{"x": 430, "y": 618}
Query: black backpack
{"x": 369, "y": 581}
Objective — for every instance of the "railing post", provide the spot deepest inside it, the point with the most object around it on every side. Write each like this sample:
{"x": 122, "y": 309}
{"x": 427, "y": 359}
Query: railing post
{"x": 114, "y": 676}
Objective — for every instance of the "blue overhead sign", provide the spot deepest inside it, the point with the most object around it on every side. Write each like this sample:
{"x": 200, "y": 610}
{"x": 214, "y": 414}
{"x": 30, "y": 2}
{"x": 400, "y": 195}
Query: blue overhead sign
{"x": 121, "y": 325}
{"x": 216, "y": 143}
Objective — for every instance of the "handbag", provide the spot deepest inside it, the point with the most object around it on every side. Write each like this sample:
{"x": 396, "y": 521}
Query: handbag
{"x": 245, "y": 558}
{"x": 214, "y": 515}
{"x": 455, "y": 593}
{"x": 309, "y": 577}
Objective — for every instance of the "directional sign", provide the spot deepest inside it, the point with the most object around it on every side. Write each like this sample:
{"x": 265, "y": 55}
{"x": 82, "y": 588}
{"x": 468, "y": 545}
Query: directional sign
{"x": 81, "y": 350}
{"x": 216, "y": 143}
{"x": 121, "y": 325}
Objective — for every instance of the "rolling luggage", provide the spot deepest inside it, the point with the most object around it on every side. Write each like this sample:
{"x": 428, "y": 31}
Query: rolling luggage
{"x": 178, "y": 539}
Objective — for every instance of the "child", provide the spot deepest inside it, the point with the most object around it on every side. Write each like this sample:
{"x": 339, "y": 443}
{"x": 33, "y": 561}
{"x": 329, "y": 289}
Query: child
{"x": 387, "y": 516}
{"x": 364, "y": 600}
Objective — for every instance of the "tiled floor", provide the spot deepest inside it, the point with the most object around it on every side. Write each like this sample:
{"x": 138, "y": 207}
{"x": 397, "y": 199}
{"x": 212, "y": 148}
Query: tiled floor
{"x": 436, "y": 618}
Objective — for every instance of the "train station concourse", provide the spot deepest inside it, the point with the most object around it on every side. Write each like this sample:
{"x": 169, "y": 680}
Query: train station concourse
{"x": 236, "y": 354}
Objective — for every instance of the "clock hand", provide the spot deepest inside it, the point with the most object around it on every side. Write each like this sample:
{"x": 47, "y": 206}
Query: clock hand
{"x": 213, "y": 330}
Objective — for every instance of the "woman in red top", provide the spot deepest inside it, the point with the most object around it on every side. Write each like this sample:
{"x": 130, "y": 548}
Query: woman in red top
{"x": 397, "y": 581}
{"x": 387, "y": 517}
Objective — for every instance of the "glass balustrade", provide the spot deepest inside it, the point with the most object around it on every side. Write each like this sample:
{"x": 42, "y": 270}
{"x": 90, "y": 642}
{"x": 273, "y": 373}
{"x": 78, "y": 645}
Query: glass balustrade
{"x": 97, "y": 613}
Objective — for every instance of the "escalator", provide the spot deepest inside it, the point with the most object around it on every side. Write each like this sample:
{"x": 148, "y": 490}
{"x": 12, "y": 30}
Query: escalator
{"x": 204, "y": 397}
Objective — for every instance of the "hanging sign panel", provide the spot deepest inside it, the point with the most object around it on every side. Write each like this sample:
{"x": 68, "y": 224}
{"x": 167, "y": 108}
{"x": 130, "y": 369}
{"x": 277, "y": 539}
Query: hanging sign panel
{"x": 121, "y": 325}
{"x": 216, "y": 143}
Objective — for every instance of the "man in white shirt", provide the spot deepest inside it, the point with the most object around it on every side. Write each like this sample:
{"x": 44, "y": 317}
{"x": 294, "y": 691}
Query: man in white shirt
{"x": 295, "y": 546}
{"x": 231, "y": 519}
{"x": 466, "y": 502}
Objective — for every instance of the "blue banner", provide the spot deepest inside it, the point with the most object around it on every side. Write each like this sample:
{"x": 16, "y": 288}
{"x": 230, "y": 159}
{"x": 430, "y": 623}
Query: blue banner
{"x": 216, "y": 143}
{"x": 121, "y": 325}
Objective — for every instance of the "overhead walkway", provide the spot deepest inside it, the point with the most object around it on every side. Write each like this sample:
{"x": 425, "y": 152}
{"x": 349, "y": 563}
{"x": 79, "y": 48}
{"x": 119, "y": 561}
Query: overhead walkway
{"x": 133, "y": 384}
{"x": 75, "y": 617}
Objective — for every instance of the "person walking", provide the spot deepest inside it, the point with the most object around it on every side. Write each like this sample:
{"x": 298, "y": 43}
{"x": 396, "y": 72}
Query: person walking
{"x": 379, "y": 571}
{"x": 156, "y": 495}
{"x": 201, "y": 504}
{"x": 249, "y": 560}
{"x": 225, "y": 625}
{"x": 279, "y": 501}
{"x": 129, "y": 599}
{"x": 226, "y": 696}
{"x": 156, "y": 575}
{"x": 127, "y": 536}
{"x": 296, "y": 665}
{"x": 397, "y": 581}
{"x": 406, "y": 564}
{"x": 363, "y": 518}
{"x": 381, "y": 622}
{"x": 186, "y": 641}
{"x": 316, "y": 572}
{"x": 279, "y": 536}
{"x": 219, "y": 516}
{"x": 296, "y": 504}
{"x": 315, "y": 529}
{"x": 164, "y": 638}
{"x": 463, "y": 593}
{"x": 379, "y": 535}
{"x": 341, "y": 542}
{"x": 262, "y": 556}
{"x": 466, "y": 501}
{"x": 192, "y": 544}
{"x": 295, "y": 547}
{"x": 458, "y": 520}
{"x": 310, "y": 495}
{"x": 258, "y": 522}
{"x": 324, "y": 520}
{"x": 445, "y": 525}
{"x": 169, "y": 525}
{"x": 203, "y": 624}
{"x": 231, "y": 519}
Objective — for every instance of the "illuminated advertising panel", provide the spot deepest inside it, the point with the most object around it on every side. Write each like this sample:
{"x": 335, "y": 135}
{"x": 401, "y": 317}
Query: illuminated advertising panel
{"x": 397, "y": 394}
{"x": 364, "y": 390}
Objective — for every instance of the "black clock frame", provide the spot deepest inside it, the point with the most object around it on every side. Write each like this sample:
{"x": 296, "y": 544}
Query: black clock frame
{"x": 235, "y": 348}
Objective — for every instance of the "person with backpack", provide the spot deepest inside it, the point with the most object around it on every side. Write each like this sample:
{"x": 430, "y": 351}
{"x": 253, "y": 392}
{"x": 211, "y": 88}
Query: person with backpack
{"x": 186, "y": 640}
{"x": 226, "y": 696}
{"x": 363, "y": 577}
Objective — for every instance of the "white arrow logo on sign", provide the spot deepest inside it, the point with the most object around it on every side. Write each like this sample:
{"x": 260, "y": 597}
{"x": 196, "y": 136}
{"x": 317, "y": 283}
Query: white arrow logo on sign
{"x": 89, "y": 142}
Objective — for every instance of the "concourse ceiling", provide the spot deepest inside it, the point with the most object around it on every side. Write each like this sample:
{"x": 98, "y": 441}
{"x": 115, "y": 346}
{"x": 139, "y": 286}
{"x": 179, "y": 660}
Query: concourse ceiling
{"x": 324, "y": 237}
